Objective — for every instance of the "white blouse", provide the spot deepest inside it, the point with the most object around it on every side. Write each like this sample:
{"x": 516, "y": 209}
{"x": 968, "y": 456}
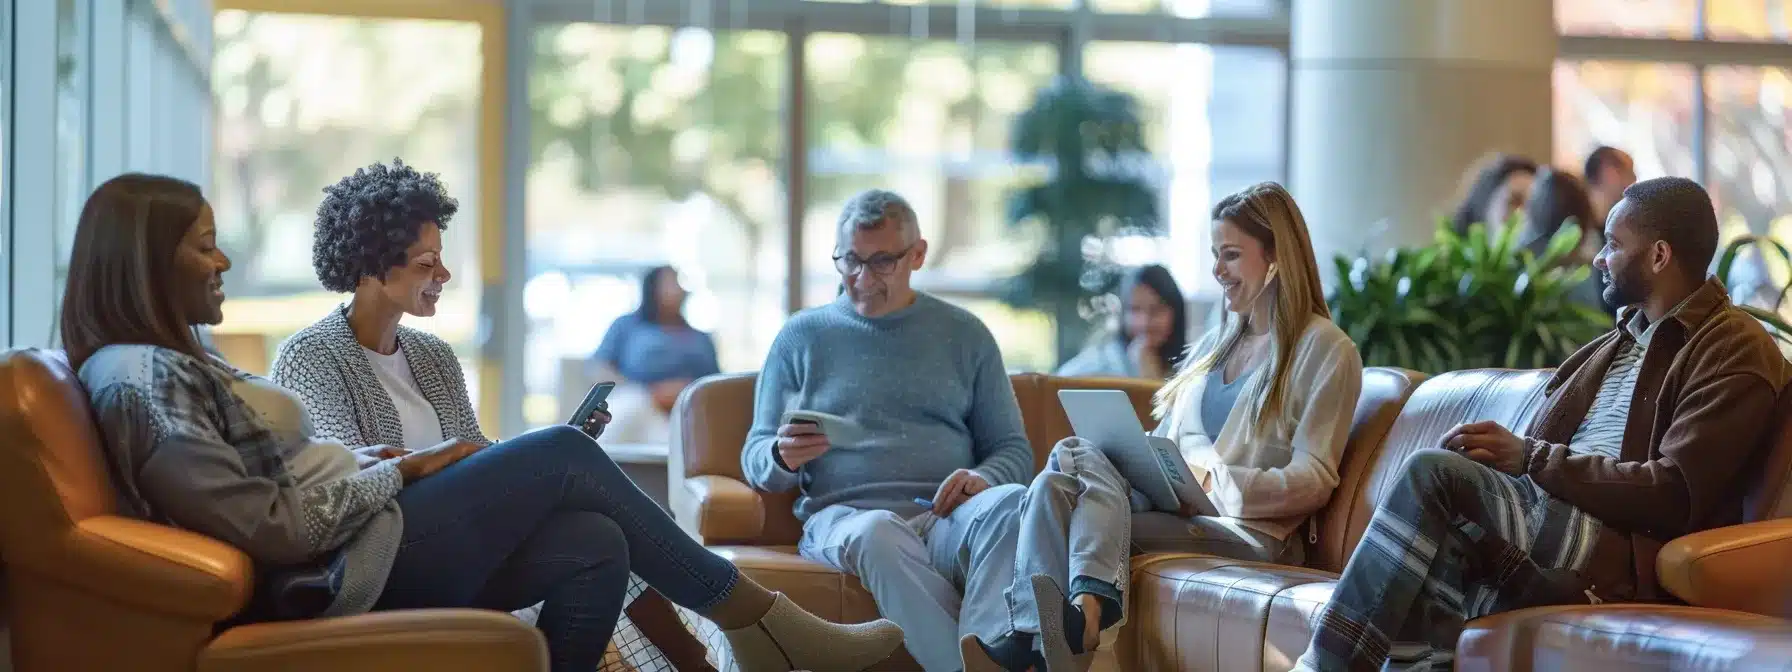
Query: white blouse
{"x": 422, "y": 426}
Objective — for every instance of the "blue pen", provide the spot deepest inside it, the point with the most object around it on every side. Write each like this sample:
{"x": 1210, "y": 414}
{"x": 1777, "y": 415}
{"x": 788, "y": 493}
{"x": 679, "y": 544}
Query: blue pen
{"x": 924, "y": 502}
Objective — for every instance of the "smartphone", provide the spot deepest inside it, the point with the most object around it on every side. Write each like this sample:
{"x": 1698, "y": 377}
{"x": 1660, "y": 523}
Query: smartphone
{"x": 593, "y": 399}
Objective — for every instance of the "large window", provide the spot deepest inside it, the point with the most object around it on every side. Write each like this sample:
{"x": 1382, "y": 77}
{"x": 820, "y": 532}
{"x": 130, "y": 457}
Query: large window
{"x": 1748, "y": 20}
{"x": 1219, "y": 130}
{"x": 929, "y": 120}
{"x": 1750, "y": 162}
{"x": 1629, "y": 18}
{"x": 1190, "y": 8}
{"x": 6, "y": 202}
{"x": 303, "y": 101}
{"x": 1704, "y": 105}
{"x": 73, "y": 22}
{"x": 1644, "y": 108}
{"x": 651, "y": 146}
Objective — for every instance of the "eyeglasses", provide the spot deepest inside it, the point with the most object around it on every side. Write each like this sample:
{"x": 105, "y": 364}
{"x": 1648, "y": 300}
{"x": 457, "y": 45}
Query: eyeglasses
{"x": 882, "y": 263}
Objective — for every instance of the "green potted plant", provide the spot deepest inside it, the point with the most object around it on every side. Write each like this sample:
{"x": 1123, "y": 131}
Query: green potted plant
{"x": 1773, "y": 297}
{"x": 1099, "y": 187}
{"x": 1469, "y": 301}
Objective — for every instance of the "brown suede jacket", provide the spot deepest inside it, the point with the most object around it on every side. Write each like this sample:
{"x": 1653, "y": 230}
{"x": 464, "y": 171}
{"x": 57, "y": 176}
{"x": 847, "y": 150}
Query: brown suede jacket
{"x": 1702, "y": 410}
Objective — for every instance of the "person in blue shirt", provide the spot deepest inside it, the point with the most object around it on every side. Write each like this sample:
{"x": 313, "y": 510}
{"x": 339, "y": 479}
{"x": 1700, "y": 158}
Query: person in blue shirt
{"x": 655, "y": 354}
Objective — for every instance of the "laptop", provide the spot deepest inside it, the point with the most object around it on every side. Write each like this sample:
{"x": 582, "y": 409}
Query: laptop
{"x": 1151, "y": 464}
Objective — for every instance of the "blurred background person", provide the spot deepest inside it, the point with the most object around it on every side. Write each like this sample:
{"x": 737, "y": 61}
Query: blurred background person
{"x": 1150, "y": 337}
{"x": 1609, "y": 171}
{"x": 1559, "y": 199}
{"x": 1496, "y": 191}
{"x": 652, "y": 353}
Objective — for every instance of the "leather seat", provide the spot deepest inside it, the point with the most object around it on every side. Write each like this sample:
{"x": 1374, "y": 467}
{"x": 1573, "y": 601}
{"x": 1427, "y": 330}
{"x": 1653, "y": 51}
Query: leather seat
{"x": 1203, "y": 613}
{"x": 1625, "y": 638}
{"x": 759, "y": 531}
{"x": 87, "y": 589}
{"x": 1266, "y": 607}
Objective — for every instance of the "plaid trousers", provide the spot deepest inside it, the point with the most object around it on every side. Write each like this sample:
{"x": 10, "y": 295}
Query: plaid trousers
{"x": 1453, "y": 540}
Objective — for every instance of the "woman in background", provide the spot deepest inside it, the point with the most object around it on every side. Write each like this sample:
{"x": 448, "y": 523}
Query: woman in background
{"x": 1261, "y": 412}
{"x": 1152, "y": 334}
{"x": 1559, "y": 199}
{"x": 653, "y": 353}
{"x": 1497, "y": 191}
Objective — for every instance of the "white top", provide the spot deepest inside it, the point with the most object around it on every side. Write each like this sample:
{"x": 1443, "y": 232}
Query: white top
{"x": 1272, "y": 481}
{"x": 422, "y": 428}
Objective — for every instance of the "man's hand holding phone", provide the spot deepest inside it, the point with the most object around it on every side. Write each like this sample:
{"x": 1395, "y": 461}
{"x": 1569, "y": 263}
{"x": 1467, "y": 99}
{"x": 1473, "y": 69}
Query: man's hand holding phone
{"x": 800, "y": 443}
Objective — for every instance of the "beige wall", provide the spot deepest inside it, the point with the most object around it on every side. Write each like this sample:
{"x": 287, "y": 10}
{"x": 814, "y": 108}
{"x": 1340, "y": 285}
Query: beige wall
{"x": 1392, "y": 100}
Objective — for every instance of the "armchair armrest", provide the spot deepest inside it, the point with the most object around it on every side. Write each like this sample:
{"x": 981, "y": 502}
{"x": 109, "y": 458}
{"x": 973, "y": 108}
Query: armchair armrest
{"x": 718, "y": 507}
{"x": 440, "y": 640}
{"x": 1740, "y": 567}
{"x": 154, "y": 567}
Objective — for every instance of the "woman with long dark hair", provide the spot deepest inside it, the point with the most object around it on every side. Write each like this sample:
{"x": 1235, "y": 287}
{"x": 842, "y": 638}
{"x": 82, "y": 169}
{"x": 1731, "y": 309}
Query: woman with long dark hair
{"x": 1558, "y": 200}
{"x": 1151, "y": 337}
{"x": 544, "y": 517}
{"x": 1496, "y": 191}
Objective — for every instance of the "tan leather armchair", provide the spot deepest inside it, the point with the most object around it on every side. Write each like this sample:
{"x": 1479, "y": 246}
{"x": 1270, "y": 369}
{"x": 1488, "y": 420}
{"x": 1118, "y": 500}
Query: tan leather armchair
{"x": 91, "y": 590}
{"x": 759, "y": 531}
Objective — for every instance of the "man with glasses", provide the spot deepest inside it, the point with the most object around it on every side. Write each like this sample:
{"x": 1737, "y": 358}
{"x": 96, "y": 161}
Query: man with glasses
{"x": 919, "y": 502}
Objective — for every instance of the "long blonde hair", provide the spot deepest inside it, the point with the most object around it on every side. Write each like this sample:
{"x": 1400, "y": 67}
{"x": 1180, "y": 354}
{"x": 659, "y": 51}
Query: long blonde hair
{"x": 1267, "y": 212}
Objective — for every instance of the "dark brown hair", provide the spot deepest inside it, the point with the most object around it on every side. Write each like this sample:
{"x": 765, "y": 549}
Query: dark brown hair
{"x": 120, "y": 273}
{"x": 1488, "y": 175}
{"x": 1556, "y": 198}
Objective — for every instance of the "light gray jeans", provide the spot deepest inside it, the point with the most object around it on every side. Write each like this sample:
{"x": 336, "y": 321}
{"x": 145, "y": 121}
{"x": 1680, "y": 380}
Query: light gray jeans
{"x": 938, "y": 578}
{"x": 1081, "y": 522}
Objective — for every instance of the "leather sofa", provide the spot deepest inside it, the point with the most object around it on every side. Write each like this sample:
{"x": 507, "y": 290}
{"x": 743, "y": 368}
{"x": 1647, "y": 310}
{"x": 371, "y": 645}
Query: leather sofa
{"x": 87, "y": 589}
{"x": 1193, "y": 612}
{"x": 1204, "y": 613}
{"x": 759, "y": 532}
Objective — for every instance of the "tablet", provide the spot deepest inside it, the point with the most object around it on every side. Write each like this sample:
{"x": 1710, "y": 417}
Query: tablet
{"x": 1152, "y": 464}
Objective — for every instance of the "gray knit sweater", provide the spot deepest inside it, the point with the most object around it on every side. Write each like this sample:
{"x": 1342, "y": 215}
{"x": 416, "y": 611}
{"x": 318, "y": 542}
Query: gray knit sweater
{"x": 203, "y": 446}
{"x": 926, "y": 383}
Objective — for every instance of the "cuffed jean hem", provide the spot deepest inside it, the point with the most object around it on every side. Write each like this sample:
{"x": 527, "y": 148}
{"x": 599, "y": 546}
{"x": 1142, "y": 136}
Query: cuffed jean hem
{"x": 1106, "y": 592}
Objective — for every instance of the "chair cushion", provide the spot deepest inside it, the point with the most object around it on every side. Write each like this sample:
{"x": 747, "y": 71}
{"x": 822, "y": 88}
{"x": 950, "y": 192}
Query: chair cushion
{"x": 1201, "y": 612}
{"x": 1507, "y": 397}
{"x": 1622, "y": 638}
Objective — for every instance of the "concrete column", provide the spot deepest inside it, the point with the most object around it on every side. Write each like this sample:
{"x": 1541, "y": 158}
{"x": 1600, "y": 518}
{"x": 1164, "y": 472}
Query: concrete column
{"x": 1392, "y": 100}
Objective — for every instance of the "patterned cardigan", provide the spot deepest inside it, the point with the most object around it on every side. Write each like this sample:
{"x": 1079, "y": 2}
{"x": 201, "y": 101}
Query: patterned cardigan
{"x": 326, "y": 367}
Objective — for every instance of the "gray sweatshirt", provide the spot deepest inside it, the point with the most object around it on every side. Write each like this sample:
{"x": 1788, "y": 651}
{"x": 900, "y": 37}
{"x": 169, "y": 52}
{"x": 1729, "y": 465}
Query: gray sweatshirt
{"x": 927, "y": 385}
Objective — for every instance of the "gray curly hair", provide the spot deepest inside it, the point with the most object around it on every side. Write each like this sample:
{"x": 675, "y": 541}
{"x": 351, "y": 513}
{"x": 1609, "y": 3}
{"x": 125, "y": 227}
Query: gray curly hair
{"x": 872, "y": 209}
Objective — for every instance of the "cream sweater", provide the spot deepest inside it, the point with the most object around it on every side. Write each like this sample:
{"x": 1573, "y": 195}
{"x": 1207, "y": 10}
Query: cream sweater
{"x": 1273, "y": 481}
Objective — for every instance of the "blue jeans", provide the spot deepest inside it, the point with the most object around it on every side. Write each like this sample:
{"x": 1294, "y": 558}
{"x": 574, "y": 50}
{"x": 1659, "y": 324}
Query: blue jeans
{"x": 546, "y": 516}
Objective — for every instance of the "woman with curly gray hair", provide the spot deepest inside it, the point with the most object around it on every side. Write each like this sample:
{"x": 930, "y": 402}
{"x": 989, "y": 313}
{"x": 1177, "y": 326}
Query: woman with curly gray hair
{"x": 541, "y": 518}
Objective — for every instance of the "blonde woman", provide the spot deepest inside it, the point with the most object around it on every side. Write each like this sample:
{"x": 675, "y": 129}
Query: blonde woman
{"x": 1260, "y": 409}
